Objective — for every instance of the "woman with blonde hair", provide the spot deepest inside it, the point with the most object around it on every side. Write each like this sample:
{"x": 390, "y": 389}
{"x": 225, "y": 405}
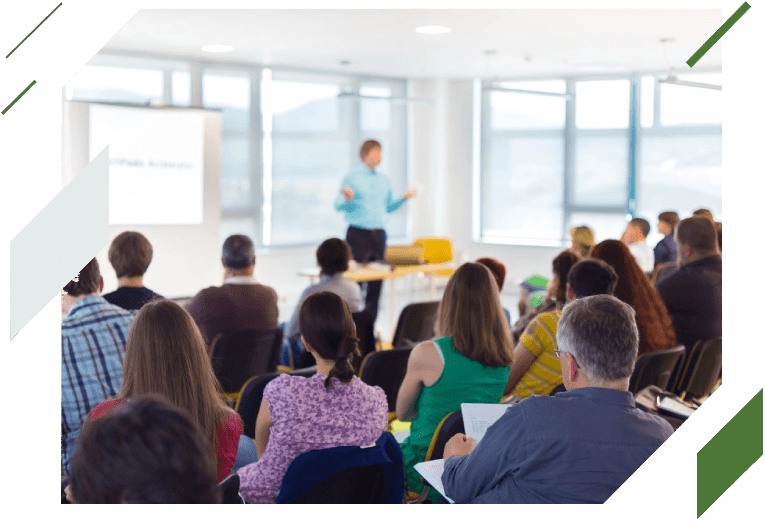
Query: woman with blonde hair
{"x": 469, "y": 364}
{"x": 165, "y": 355}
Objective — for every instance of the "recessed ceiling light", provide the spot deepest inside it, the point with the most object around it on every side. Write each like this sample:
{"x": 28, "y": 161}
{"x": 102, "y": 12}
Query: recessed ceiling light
{"x": 217, "y": 48}
{"x": 433, "y": 29}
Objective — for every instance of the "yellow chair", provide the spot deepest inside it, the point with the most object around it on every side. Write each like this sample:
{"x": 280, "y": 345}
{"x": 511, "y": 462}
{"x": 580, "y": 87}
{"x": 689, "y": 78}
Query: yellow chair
{"x": 437, "y": 251}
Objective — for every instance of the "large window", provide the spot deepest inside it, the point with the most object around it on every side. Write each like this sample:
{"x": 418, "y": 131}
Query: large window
{"x": 287, "y": 138}
{"x": 596, "y": 152}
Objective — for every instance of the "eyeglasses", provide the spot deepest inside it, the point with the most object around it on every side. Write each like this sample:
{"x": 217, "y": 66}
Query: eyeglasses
{"x": 558, "y": 353}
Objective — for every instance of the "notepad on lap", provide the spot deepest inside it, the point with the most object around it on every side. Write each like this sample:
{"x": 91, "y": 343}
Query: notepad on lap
{"x": 432, "y": 471}
{"x": 479, "y": 416}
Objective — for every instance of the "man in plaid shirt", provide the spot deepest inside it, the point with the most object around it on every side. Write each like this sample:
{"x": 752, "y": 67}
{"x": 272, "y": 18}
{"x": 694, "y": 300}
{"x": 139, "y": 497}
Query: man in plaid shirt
{"x": 93, "y": 336}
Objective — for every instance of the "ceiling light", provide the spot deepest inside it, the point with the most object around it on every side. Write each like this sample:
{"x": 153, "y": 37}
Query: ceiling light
{"x": 217, "y": 48}
{"x": 433, "y": 29}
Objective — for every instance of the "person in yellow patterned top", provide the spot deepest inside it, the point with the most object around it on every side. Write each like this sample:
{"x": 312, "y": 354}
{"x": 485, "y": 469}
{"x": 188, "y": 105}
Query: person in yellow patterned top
{"x": 536, "y": 369}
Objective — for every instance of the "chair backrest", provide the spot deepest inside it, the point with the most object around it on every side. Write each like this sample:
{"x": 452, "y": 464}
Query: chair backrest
{"x": 238, "y": 356}
{"x": 436, "y": 250}
{"x": 449, "y": 426}
{"x": 416, "y": 323}
{"x": 655, "y": 368}
{"x": 346, "y": 475}
{"x": 365, "y": 331}
{"x": 251, "y": 395}
{"x": 386, "y": 369}
{"x": 560, "y": 388}
{"x": 702, "y": 369}
{"x": 229, "y": 490}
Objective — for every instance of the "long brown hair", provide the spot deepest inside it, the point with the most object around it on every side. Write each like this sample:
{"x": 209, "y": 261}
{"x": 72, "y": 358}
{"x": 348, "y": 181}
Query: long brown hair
{"x": 166, "y": 355}
{"x": 327, "y": 325}
{"x": 633, "y": 288}
{"x": 471, "y": 313}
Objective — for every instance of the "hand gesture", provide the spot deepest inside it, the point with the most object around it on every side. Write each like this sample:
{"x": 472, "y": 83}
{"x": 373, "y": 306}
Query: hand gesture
{"x": 348, "y": 193}
{"x": 411, "y": 193}
{"x": 458, "y": 446}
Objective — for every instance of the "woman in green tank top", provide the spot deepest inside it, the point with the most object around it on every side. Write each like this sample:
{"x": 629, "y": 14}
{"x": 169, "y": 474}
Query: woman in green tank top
{"x": 470, "y": 364}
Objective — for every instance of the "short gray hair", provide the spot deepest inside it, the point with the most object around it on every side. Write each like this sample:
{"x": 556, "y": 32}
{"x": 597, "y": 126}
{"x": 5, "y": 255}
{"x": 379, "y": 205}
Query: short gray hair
{"x": 601, "y": 333}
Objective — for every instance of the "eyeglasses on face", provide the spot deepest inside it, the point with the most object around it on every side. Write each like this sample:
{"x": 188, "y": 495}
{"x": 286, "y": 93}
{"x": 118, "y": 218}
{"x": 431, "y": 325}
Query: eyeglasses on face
{"x": 558, "y": 353}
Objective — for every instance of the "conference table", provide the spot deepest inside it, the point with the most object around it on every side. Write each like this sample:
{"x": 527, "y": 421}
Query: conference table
{"x": 377, "y": 271}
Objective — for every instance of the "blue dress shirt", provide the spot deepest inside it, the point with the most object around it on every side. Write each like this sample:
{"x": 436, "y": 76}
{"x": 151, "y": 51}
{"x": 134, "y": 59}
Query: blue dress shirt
{"x": 574, "y": 447}
{"x": 372, "y": 199}
{"x": 665, "y": 251}
{"x": 93, "y": 336}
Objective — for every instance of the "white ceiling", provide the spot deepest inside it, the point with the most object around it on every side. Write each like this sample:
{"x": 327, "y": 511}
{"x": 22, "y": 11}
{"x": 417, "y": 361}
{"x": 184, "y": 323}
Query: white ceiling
{"x": 528, "y": 43}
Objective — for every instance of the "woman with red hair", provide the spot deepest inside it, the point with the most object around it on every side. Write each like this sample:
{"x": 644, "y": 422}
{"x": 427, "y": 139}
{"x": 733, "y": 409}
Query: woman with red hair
{"x": 633, "y": 288}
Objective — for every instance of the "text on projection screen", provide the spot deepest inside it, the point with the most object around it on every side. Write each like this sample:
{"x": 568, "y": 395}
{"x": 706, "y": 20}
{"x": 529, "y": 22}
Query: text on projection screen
{"x": 156, "y": 163}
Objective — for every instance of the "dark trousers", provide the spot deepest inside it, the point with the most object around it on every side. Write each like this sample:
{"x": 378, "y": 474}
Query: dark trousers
{"x": 368, "y": 245}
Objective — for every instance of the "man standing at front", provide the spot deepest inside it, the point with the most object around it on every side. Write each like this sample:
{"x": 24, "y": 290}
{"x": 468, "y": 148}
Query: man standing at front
{"x": 366, "y": 198}
{"x": 577, "y": 446}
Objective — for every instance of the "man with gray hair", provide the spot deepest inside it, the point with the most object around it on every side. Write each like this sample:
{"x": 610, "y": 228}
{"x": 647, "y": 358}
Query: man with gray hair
{"x": 577, "y": 446}
{"x": 241, "y": 303}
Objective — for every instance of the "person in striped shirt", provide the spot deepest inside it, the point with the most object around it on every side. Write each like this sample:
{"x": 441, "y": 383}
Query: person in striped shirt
{"x": 536, "y": 369}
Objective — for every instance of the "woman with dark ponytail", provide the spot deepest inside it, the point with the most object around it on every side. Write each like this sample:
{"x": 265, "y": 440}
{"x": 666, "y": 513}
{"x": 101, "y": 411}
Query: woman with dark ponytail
{"x": 332, "y": 408}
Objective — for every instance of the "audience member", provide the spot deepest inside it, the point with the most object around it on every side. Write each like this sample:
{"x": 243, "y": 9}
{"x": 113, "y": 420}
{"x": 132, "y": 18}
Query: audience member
{"x": 577, "y": 446}
{"x": 532, "y": 294}
{"x": 536, "y": 369}
{"x": 240, "y": 303}
{"x": 666, "y": 250}
{"x": 332, "y": 408}
{"x": 556, "y": 292}
{"x": 144, "y": 452}
{"x": 93, "y": 334}
{"x": 130, "y": 255}
{"x": 332, "y": 256}
{"x": 165, "y": 355}
{"x": 705, "y": 213}
{"x": 634, "y": 289}
{"x": 582, "y": 240}
{"x": 499, "y": 271}
{"x": 693, "y": 293}
{"x": 634, "y": 238}
{"x": 469, "y": 364}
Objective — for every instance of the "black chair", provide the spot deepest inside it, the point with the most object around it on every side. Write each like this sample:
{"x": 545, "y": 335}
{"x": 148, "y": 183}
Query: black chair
{"x": 655, "y": 368}
{"x": 251, "y": 395}
{"x": 449, "y": 426}
{"x": 229, "y": 490}
{"x": 346, "y": 475}
{"x": 238, "y": 356}
{"x": 416, "y": 323}
{"x": 365, "y": 331}
{"x": 702, "y": 368}
{"x": 386, "y": 369}
{"x": 560, "y": 388}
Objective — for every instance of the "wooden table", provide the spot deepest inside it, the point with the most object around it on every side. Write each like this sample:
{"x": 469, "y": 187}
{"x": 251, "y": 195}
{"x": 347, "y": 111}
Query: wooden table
{"x": 372, "y": 273}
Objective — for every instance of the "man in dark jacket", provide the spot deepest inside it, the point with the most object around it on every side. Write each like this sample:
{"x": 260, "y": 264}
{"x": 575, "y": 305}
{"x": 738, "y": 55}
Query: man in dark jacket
{"x": 693, "y": 293}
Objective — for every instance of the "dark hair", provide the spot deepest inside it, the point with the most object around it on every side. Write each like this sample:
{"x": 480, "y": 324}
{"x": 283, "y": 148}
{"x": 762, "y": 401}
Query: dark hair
{"x": 704, "y": 212}
{"x": 633, "y": 288}
{"x": 592, "y": 276}
{"x": 496, "y": 267}
{"x": 130, "y": 254}
{"x": 238, "y": 252}
{"x": 88, "y": 281}
{"x": 641, "y": 224}
{"x": 601, "y": 333}
{"x": 333, "y": 255}
{"x": 561, "y": 265}
{"x": 670, "y": 218}
{"x": 146, "y": 451}
{"x": 367, "y": 146}
{"x": 326, "y": 324}
{"x": 718, "y": 228}
{"x": 699, "y": 233}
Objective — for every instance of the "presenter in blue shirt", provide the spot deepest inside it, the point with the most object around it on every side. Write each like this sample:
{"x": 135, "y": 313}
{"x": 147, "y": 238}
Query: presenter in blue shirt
{"x": 366, "y": 198}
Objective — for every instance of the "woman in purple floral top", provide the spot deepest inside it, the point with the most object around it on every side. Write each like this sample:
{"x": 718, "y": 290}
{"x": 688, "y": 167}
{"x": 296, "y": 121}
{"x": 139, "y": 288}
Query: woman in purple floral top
{"x": 332, "y": 408}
